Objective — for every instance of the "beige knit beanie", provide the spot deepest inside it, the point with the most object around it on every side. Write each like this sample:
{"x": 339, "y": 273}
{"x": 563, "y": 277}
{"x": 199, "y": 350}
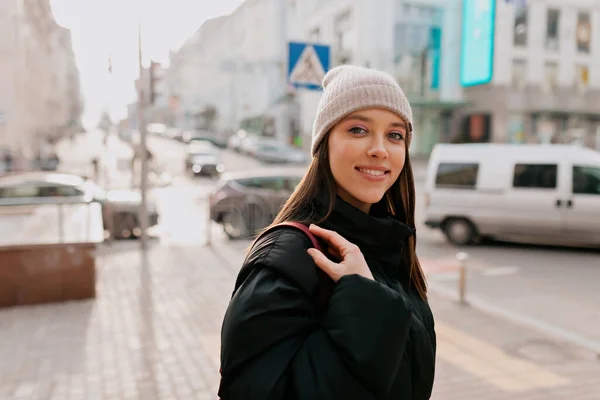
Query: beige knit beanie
{"x": 348, "y": 88}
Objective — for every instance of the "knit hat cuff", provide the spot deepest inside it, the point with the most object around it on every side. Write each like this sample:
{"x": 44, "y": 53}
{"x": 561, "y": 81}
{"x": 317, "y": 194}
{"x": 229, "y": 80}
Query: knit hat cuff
{"x": 358, "y": 98}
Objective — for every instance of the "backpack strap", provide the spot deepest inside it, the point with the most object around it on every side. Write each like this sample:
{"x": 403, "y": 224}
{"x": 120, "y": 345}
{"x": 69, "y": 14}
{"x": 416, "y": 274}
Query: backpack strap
{"x": 307, "y": 232}
{"x": 325, "y": 282}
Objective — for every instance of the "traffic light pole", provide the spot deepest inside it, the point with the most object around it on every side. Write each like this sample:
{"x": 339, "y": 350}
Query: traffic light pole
{"x": 143, "y": 210}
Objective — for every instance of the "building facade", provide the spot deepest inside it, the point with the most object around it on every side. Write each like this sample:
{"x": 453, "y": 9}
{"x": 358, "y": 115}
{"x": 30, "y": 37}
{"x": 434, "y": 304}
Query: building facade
{"x": 415, "y": 41}
{"x": 233, "y": 64}
{"x": 40, "y": 97}
{"x": 544, "y": 66}
{"x": 545, "y": 86}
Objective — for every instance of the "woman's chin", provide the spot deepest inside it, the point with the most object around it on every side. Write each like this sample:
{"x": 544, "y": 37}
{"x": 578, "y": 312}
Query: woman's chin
{"x": 370, "y": 197}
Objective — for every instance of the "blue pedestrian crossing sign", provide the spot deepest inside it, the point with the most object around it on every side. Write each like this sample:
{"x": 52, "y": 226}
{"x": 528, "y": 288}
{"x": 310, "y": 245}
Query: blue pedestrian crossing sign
{"x": 307, "y": 65}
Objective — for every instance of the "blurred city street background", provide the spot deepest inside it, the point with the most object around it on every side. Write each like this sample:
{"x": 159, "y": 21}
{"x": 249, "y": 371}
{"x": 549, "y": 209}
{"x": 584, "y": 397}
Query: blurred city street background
{"x": 98, "y": 303}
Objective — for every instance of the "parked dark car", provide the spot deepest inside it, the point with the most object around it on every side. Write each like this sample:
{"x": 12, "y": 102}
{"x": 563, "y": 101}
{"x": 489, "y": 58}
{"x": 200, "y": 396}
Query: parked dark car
{"x": 246, "y": 202}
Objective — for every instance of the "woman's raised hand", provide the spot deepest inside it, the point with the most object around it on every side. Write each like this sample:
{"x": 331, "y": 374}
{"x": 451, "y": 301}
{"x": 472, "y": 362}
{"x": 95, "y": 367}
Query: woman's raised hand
{"x": 353, "y": 261}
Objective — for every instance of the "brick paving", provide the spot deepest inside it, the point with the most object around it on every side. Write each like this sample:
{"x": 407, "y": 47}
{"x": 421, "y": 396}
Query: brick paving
{"x": 152, "y": 333}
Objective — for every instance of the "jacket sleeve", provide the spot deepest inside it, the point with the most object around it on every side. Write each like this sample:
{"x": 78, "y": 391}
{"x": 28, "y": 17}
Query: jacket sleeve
{"x": 276, "y": 346}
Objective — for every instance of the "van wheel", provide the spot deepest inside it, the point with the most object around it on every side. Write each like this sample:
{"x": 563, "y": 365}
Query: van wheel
{"x": 459, "y": 231}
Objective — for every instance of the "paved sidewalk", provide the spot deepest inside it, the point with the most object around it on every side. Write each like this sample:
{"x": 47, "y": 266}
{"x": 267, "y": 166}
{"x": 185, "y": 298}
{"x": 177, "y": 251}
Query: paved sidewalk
{"x": 153, "y": 333}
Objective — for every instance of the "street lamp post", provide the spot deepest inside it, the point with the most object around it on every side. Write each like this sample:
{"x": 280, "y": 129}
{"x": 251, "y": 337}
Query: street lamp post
{"x": 143, "y": 210}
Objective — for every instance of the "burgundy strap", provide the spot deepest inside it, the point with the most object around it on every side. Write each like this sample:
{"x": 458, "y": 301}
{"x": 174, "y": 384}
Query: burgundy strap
{"x": 304, "y": 229}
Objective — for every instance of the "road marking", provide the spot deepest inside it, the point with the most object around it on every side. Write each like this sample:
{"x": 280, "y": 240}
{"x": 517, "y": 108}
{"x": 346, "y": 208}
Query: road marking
{"x": 491, "y": 364}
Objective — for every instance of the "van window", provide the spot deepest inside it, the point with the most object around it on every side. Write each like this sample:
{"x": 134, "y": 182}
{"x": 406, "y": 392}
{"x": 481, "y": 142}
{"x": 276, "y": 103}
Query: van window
{"x": 586, "y": 180}
{"x": 535, "y": 176}
{"x": 457, "y": 175}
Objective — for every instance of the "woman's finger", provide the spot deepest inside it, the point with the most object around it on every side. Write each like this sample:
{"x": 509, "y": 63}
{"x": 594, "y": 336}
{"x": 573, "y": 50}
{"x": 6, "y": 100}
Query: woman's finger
{"x": 328, "y": 266}
{"x": 335, "y": 239}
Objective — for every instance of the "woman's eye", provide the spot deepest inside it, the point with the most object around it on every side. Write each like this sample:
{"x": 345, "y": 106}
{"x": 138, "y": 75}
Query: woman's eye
{"x": 396, "y": 136}
{"x": 357, "y": 130}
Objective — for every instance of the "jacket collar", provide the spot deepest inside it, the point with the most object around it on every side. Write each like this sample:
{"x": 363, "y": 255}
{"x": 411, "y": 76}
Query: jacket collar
{"x": 378, "y": 235}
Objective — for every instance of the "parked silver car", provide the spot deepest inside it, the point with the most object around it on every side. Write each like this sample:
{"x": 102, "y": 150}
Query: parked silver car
{"x": 203, "y": 158}
{"x": 119, "y": 207}
{"x": 279, "y": 153}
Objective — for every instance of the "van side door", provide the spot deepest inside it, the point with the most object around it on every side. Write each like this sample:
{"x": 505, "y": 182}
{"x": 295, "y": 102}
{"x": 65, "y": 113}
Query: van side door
{"x": 533, "y": 201}
{"x": 582, "y": 205}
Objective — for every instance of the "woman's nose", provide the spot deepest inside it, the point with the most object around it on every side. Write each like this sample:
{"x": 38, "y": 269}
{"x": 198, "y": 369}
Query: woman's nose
{"x": 377, "y": 149}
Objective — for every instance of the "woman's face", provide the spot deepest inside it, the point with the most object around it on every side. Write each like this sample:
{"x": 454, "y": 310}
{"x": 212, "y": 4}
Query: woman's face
{"x": 367, "y": 150}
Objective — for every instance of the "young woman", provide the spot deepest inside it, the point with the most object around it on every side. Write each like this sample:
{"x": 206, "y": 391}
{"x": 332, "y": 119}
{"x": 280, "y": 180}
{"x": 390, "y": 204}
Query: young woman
{"x": 372, "y": 336}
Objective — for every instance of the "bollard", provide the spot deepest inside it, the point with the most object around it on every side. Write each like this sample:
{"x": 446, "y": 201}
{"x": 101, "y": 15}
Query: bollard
{"x": 462, "y": 276}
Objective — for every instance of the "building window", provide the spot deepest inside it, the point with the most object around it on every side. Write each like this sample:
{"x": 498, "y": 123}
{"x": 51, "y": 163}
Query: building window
{"x": 552, "y": 27}
{"x": 583, "y": 32}
{"x": 457, "y": 175}
{"x": 519, "y": 74}
{"x": 314, "y": 35}
{"x": 520, "y": 28}
{"x": 535, "y": 176}
{"x": 550, "y": 76}
{"x": 343, "y": 36}
{"x": 342, "y": 28}
{"x": 516, "y": 128}
{"x": 582, "y": 73}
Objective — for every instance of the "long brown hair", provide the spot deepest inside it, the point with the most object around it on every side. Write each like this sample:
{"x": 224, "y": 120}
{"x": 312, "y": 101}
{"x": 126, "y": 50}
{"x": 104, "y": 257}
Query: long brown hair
{"x": 399, "y": 200}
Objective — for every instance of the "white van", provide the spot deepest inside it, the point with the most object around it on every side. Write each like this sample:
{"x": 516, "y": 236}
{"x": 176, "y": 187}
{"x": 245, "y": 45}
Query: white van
{"x": 535, "y": 193}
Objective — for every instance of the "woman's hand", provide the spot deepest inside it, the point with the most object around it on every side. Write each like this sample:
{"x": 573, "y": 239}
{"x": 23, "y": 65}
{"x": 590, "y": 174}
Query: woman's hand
{"x": 353, "y": 261}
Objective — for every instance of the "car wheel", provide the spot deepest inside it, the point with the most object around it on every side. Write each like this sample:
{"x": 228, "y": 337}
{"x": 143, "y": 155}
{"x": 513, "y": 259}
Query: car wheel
{"x": 124, "y": 225}
{"x": 245, "y": 223}
{"x": 459, "y": 231}
{"x": 234, "y": 225}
